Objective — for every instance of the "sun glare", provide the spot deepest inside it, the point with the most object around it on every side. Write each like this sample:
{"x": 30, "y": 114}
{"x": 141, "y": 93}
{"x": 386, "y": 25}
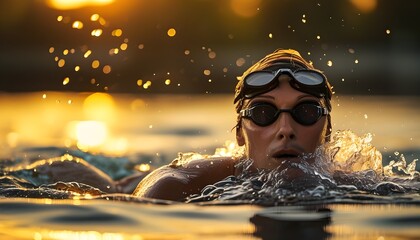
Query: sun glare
{"x": 74, "y": 4}
{"x": 90, "y": 134}
{"x": 99, "y": 106}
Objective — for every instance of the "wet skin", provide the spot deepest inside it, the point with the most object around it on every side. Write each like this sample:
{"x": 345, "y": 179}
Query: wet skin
{"x": 271, "y": 146}
{"x": 285, "y": 139}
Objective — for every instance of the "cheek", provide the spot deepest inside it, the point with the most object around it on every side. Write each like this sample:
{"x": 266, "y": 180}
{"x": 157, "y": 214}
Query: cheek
{"x": 256, "y": 141}
{"x": 312, "y": 137}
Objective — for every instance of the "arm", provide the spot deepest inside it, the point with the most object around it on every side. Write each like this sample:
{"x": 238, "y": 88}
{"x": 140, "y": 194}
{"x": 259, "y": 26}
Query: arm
{"x": 176, "y": 183}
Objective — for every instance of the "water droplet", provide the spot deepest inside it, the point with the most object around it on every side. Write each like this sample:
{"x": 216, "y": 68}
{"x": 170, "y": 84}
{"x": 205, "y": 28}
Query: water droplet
{"x": 270, "y": 35}
{"x": 44, "y": 96}
{"x": 207, "y": 72}
{"x": 94, "y": 17}
{"x": 113, "y": 51}
{"x": 150, "y": 126}
{"x": 66, "y": 81}
{"x": 141, "y": 46}
{"x": 318, "y": 37}
{"x": 356, "y": 61}
{"x": 396, "y": 153}
{"x": 87, "y": 53}
{"x": 240, "y": 62}
{"x": 365, "y": 116}
{"x": 147, "y": 84}
{"x": 106, "y": 69}
{"x": 167, "y": 81}
{"x": 77, "y": 68}
{"x": 96, "y": 32}
{"x": 171, "y": 32}
{"x": 59, "y": 18}
{"x": 212, "y": 55}
{"x": 329, "y": 63}
{"x": 51, "y": 50}
{"x": 342, "y": 79}
{"x": 77, "y": 25}
{"x": 388, "y": 31}
{"x": 61, "y": 63}
{"x": 117, "y": 33}
{"x": 124, "y": 46}
{"x": 95, "y": 63}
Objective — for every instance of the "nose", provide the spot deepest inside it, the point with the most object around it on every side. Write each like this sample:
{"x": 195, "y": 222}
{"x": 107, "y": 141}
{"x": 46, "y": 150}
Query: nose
{"x": 285, "y": 129}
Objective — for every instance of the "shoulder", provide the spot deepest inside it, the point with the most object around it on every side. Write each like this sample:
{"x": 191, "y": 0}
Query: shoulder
{"x": 172, "y": 182}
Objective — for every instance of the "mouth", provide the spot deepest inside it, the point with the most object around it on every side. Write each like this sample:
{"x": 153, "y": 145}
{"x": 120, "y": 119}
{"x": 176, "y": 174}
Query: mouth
{"x": 285, "y": 154}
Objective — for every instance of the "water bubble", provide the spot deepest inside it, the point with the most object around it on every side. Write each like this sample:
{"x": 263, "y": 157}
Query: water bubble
{"x": 141, "y": 46}
{"x": 225, "y": 70}
{"x": 342, "y": 79}
{"x": 77, "y": 68}
{"x": 139, "y": 82}
{"x": 356, "y": 61}
{"x": 351, "y": 50}
{"x": 51, "y": 50}
{"x": 396, "y": 153}
{"x": 167, "y": 81}
{"x": 207, "y": 72}
{"x": 388, "y": 31}
{"x": 365, "y": 116}
{"x": 59, "y": 18}
{"x": 187, "y": 52}
{"x": 270, "y": 35}
{"x": 171, "y": 32}
{"x": 69, "y": 101}
{"x": 44, "y": 96}
{"x": 150, "y": 126}
{"x": 318, "y": 37}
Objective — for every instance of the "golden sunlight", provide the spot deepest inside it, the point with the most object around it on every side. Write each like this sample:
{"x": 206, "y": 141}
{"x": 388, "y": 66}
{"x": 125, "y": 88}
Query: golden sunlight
{"x": 99, "y": 106}
{"x": 365, "y": 5}
{"x": 74, "y": 4}
{"x": 245, "y": 8}
{"x": 90, "y": 134}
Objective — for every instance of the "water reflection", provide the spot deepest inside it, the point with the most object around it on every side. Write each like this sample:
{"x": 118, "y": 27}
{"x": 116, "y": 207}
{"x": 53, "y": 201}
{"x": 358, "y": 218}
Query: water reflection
{"x": 293, "y": 222}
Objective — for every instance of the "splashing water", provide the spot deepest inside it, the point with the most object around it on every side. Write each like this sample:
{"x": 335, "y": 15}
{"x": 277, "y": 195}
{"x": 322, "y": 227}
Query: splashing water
{"x": 348, "y": 168}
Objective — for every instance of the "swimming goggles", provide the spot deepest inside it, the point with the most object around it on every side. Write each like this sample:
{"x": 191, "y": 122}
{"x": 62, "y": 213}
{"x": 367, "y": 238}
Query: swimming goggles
{"x": 304, "y": 113}
{"x": 304, "y": 80}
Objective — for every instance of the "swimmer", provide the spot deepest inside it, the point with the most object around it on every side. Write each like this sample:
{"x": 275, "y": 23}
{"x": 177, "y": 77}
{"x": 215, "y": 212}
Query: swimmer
{"x": 283, "y": 108}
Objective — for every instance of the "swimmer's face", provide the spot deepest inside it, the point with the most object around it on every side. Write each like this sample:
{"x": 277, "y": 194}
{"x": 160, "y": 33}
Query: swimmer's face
{"x": 285, "y": 139}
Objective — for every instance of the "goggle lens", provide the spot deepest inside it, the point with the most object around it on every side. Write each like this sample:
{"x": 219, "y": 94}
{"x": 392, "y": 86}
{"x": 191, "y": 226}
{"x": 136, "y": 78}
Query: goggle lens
{"x": 264, "y": 114}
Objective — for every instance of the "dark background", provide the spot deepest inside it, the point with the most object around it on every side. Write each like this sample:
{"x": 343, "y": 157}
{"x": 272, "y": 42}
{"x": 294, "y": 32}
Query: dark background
{"x": 387, "y": 63}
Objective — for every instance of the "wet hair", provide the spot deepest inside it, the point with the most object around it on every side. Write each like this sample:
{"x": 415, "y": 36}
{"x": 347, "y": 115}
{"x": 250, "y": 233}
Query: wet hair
{"x": 286, "y": 58}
